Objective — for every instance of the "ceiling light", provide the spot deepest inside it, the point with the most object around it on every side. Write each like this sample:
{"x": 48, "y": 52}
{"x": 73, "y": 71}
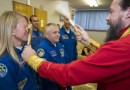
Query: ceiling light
{"x": 92, "y": 3}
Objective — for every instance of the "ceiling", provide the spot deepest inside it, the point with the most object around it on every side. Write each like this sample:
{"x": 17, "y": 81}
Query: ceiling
{"x": 82, "y": 5}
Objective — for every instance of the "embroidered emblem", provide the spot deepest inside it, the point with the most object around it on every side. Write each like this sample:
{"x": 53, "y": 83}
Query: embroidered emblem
{"x": 40, "y": 52}
{"x": 3, "y": 70}
{"x": 65, "y": 37}
{"x": 41, "y": 35}
{"x": 33, "y": 36}
{"x": 61, "y": 52}
{"x": 53, "y": 53}
{"x": 72, "y": 37}
{"x": 22, "y": 83}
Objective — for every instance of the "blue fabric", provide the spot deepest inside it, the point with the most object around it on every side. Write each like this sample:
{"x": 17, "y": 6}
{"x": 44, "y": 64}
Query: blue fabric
{"x": 69, "y": 42}
{"x": 81, "y": 18}
{"x": 16, "y": 76}
{"x": 53, "y": 54}
{"x": 37, "y": 37}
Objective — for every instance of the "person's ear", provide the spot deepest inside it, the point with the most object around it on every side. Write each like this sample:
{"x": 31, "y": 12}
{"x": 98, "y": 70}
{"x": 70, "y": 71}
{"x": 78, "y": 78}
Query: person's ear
{"x": 46, "y": 35}
{"x": 128, "y": 14}
{"x": 13, "y": 33}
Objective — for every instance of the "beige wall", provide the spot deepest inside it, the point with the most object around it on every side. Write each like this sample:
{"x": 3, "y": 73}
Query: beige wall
{"x": 53, "y": 16}
{"x": 99, "y": 36}
{"x": 5, "y": 5}
{"x": 48, "y": 5}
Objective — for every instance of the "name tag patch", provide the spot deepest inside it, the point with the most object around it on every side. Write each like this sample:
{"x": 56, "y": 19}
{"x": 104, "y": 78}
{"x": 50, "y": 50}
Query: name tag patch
{"x": 53, "y": 53}
{"x": 65, "y": 37}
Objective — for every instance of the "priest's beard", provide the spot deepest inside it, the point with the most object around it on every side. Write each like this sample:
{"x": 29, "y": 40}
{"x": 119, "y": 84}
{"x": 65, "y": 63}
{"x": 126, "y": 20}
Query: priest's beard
{"x": 114, "y": 30}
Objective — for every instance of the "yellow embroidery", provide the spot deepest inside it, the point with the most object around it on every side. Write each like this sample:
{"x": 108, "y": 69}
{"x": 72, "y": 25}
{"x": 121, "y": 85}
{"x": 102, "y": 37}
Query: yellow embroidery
{"x": 34, "y": 61}
{"x": 96, "y": 44}
{"x": 126, "y": 33}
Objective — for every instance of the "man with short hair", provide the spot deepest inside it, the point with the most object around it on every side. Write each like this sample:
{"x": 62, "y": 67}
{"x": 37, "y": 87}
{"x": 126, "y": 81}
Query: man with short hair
{"x": 37, "y": 35}
{"x": 109, "y": 66}
{"x": 51, "y": 50}
{"x": 68, "y": 39}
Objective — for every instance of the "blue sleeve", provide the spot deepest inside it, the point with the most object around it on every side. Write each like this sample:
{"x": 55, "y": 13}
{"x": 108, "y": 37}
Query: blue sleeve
{"x": 7, "y": 78}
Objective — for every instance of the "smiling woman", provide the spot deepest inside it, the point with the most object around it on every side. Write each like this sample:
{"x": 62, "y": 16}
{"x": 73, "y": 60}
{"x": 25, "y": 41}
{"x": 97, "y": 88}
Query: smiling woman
{"x": 14, "y": 73}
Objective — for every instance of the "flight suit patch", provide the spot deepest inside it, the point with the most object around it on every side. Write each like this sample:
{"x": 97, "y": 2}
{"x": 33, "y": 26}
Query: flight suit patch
{"x": 53, "y": 53}
{"x": 41, "y": 35}
{"x": 22, "y": 83}
{"x": 72, "y": 37}
{"x": 65, "y": 37}
{"x": 40, "y": 52}
{"x": 61, "y": 52}
{"x": 3, "y": 70}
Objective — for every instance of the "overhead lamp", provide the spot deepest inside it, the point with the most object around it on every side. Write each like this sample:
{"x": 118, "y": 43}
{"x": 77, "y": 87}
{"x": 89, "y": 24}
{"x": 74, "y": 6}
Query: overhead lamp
{"x": 92, "y": 3}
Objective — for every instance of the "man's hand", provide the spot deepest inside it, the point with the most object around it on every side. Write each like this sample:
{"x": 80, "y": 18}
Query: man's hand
{"x": 27, "y": 52}
{"x": 83, "y": 37}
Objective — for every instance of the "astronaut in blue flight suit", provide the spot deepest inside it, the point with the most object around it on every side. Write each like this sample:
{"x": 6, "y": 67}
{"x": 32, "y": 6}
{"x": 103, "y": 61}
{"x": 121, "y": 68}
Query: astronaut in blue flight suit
{"x": 51, "y": 50}
{"x": 15, "y": 74}
{"x": 68, "y": 39}
{"x": 37, "y": 35}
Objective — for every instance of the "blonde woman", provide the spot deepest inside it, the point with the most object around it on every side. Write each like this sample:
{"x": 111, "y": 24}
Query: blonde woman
{"x": 14, "y": 73}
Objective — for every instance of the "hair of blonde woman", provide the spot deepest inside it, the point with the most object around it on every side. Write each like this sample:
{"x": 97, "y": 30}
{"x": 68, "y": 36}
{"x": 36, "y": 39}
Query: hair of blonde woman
{"x": 8, "y": 22}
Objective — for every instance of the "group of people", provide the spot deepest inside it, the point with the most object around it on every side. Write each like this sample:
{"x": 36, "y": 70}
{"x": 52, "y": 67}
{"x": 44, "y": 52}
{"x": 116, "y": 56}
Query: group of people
{"x": 53, "y": 47}
{"x": 52, "y": 59}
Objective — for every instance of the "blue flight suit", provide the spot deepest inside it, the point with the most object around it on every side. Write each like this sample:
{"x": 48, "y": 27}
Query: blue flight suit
{"x": 51, "y": 53}
{"x": 37, "y": 37}
{"x": 15, "y": 77}
{"x": 69, "y": 41}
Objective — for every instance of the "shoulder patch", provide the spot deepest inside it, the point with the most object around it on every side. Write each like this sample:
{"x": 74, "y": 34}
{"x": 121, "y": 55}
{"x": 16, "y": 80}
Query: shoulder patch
{"x": 40, "y": 52}
{"x": 3, "y": 70}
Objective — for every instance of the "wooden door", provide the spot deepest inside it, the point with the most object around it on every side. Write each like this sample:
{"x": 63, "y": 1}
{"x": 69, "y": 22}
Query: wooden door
{"x": 42, "y": 15}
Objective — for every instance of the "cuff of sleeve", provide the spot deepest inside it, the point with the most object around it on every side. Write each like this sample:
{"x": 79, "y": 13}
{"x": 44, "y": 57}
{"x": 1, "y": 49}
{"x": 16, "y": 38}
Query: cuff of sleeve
{"x": 94, "y": 43}
{"x": 35, "y": 61}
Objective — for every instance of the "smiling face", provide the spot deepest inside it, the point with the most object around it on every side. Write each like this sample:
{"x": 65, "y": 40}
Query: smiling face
{"x": 67, "y": 23}
{"x": 20, "y": 33}
{"x": 13, "y": 32}
{"x": 35, "y": 22}
{"x": 53, "y": 33}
